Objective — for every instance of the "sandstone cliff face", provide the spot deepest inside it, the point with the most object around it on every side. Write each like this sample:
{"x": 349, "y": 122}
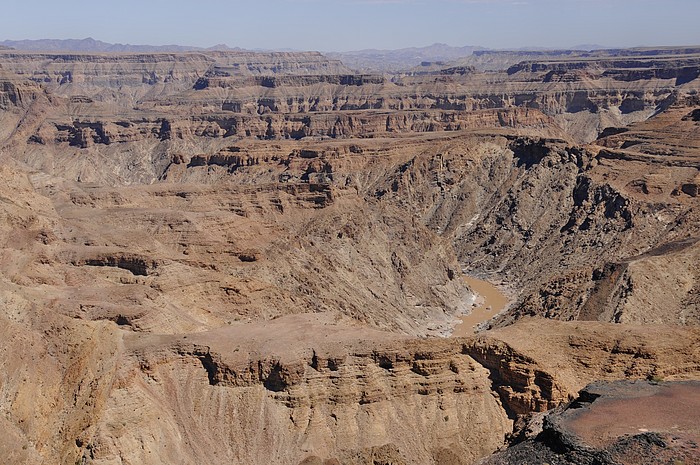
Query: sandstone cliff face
{"x": 87, "y": 133}
{"x": 345, "y": 404}
{"x": 341, "y": 404}
{"x": 275, "y": 96}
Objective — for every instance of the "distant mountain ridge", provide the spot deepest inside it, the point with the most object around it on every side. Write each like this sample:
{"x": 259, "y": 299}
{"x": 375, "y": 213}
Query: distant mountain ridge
{"x": 92, "y": 45}
{"x": 402, "y": 59}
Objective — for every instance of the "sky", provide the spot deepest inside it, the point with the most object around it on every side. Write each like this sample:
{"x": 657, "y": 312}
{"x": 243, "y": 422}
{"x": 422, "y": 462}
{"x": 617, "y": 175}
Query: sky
{"x": 343, "y": 25}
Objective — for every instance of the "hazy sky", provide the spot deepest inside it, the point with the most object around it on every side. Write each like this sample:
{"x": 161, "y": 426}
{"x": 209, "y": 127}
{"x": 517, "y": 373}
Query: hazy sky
{"x": 355, "y": 24}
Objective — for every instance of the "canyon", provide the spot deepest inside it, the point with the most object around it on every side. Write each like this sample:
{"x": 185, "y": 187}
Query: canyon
{"x": 259, "y": 257}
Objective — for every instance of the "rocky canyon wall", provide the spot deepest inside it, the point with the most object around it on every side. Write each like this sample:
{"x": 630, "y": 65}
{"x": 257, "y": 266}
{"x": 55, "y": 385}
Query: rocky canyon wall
{"x": 228, "y": 257}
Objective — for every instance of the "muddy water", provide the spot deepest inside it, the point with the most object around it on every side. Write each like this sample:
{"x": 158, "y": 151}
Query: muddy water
{"x": 489, "y": 301}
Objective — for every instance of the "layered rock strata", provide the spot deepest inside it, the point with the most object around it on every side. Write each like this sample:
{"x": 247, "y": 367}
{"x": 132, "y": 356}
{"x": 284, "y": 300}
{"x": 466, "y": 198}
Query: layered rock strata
{"x": 249, "y": 258}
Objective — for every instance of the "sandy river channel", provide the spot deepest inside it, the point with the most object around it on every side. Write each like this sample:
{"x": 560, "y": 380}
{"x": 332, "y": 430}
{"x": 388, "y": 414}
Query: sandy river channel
{"x": 489, "y": 301}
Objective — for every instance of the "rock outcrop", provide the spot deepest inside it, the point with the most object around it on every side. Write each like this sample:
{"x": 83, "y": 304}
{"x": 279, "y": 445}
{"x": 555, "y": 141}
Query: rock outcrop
{"x": 617, "y": 423}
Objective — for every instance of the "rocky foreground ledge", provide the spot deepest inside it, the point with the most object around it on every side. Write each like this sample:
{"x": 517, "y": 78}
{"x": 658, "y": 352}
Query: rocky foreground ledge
{"x": 615, "y": 423}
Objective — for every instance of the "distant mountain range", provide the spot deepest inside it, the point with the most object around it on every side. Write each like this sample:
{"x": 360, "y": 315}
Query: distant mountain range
{"x": 402, "y": 59}
{"x": 92, "y": 45}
